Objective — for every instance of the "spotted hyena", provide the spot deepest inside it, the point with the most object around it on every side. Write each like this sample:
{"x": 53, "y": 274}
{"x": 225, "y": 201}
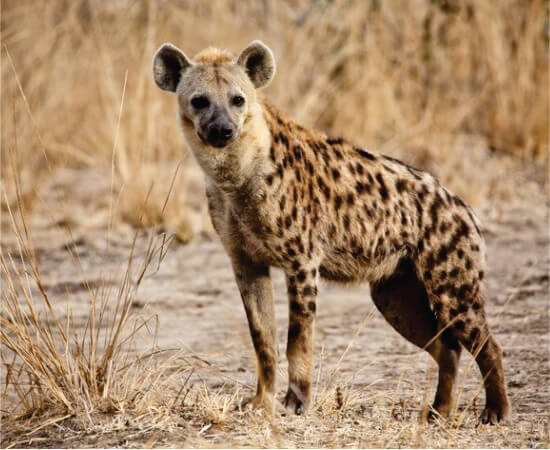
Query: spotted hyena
{"x": 281, "y": 195}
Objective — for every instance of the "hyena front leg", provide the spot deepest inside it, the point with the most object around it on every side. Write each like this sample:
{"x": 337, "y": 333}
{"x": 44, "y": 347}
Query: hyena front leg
{"x": 302, "y": 293}
{"x": 256, "y": 290}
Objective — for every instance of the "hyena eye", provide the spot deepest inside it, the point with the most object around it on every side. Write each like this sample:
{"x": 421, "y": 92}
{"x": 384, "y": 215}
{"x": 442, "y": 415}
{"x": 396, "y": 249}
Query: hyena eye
{"x": 238, "y": 100}
{"x": 200, "y": 102}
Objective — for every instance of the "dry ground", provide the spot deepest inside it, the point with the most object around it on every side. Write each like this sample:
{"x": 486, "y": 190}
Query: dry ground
{"x": 371, "y": 384}
{"x": 456, "y": 87}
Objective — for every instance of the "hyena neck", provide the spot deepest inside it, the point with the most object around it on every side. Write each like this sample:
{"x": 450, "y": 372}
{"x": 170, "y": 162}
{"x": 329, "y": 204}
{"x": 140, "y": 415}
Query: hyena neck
{"x": 286, "y": 134}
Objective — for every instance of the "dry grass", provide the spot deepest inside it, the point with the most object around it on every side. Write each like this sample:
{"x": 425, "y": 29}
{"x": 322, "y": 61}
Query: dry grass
{"x": 448, "y": 85}
{"x": 87, "y": 139}
{"x": 55, "y": 370}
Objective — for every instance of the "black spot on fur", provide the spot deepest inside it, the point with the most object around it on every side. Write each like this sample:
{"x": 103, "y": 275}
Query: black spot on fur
{"x": 292, "y": 290}
{"x": 296, "y": 307}
{"x": 283, "y": 139}
{"x": 463, "y": 291}
{"x": 312, "y": 306}
{"x": 460, "y": 325}
{"x": 350, "y": 199}
{"x": 436, "y": 205}
{"x": 269, "y": 180}
{"x": 389, "y": 169}
{"x": 335, "y": 141}
{"x": 282, "y": 202}
{"x": 309, "y": 167}
{"x": 365, "y": 154}
{"x": 419, "y": 212}
{"x": 430, "y": 261}
{"x": 335, "y": 174}
{"x": 301, "y": 276}
{"x": 295, "y": 265}
{"x": 480, "y": 274}
{"x": 360, "y": 169}
{"x": 346, "y": 222}
{"x": 401, "y": 185}
{"x": 382, "y": 189}
{"x": 337, "y": 202}
{"x": 294, "y": 331}
{"x": 442, "y": 255}
{"x": 453, "y": 273}
{"x": 309, "y": 291}
{"x": 462, "y": 232}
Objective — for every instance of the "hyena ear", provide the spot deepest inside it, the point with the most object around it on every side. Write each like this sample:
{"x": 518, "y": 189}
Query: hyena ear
{"x": 169, "y": 63}
{"x": 258, "y": 62}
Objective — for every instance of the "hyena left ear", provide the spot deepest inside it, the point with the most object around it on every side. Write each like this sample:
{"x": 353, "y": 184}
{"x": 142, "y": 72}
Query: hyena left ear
{"x": 258, "y": 62}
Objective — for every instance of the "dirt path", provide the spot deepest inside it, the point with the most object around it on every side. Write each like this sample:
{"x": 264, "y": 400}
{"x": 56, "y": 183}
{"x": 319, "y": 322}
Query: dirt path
{"x": 357, "y": 352}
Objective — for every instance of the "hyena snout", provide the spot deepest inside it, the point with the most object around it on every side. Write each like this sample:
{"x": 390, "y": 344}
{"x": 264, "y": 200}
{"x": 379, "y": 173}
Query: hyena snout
{"x": 220, "y": 133}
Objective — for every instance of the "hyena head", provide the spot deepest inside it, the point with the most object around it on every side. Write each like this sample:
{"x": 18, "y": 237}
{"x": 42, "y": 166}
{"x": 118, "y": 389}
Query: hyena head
{"x": 218, "y": 106}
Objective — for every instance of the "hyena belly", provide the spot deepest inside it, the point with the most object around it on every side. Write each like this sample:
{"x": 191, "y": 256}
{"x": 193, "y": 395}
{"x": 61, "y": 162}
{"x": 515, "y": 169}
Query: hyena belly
{"x": 349, "y": 268}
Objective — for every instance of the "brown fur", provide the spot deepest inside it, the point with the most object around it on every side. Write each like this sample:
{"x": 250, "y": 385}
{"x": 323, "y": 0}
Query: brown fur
{"x": 281, "y": 195}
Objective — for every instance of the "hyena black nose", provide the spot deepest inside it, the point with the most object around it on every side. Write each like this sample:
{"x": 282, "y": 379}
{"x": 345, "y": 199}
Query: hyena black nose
{"x": 219, "y": 134}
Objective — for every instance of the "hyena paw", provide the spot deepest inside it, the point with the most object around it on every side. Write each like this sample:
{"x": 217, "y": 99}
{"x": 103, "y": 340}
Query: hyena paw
{"x": 258, "y": 401}
{"x": 439, "y": 412}
{"x": 296, "y": 401}
{"x": 495, "y": 414}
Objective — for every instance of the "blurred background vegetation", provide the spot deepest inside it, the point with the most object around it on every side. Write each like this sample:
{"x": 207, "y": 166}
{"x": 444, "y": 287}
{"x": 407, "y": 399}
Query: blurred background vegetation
{"x": 459, "y": 87}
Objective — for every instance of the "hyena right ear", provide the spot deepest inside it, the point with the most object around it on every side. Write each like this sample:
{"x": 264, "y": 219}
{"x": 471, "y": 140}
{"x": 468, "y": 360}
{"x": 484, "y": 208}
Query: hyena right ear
{"x": 169, "y": 63}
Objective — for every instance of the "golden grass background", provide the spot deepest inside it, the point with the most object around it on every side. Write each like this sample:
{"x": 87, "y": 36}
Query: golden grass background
{"x": 457, "y": 87}
{"x": 449, "y": 85}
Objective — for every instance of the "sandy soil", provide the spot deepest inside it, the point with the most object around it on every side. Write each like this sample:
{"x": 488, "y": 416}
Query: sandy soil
{"x": 383, "y": 379}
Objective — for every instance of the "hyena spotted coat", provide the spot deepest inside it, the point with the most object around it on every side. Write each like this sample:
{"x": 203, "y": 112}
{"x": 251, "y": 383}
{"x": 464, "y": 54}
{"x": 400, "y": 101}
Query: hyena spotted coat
{"x": 281, "y": 195}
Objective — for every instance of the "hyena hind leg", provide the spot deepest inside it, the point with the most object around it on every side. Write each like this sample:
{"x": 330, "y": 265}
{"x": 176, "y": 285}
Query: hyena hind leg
{"x": 403, "y": 301}
{"x": 469, "y": 326}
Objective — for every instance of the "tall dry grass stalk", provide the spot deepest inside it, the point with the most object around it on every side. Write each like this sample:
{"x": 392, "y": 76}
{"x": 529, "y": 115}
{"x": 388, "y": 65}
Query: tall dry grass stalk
{"x": 410, "y": 78}
{"x": 54, "y": 367}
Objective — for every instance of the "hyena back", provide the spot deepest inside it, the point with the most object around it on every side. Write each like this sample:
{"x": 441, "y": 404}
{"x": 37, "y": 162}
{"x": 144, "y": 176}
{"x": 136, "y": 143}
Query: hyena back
{"x": 281, "y": 195}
